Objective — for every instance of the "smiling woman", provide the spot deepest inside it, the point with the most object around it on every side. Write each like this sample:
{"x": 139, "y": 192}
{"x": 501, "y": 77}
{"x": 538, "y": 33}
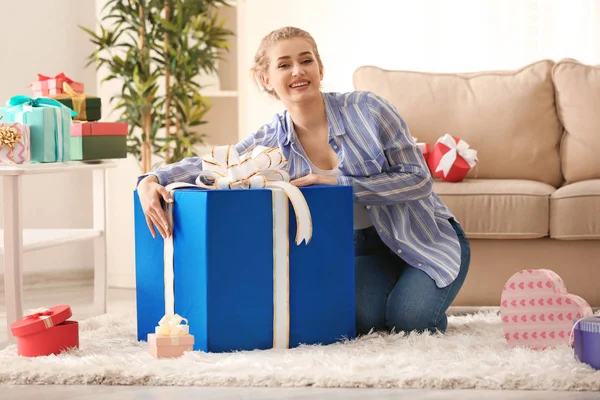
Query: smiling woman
{"x": 411, "y": 255}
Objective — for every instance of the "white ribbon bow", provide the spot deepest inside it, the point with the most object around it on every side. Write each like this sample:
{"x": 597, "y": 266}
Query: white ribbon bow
{"x": 461, "y": 149}
{"x": 224, "y": 169}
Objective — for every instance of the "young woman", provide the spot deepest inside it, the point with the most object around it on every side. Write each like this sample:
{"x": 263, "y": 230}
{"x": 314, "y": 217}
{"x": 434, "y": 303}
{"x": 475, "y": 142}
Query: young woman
{"x": 411, "y": 255}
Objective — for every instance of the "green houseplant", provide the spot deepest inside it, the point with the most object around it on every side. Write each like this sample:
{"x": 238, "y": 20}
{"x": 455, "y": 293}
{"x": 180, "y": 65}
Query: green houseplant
{"x": 156, "y": 49}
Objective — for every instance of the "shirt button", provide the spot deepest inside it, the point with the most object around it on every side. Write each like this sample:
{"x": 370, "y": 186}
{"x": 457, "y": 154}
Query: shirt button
{"x": 368, "y": 207}
{"x": 420, "y": 265}
{"x": 335, "y": 146}
{"x": 381, "y": 231}
{"x": 399, "y": 251}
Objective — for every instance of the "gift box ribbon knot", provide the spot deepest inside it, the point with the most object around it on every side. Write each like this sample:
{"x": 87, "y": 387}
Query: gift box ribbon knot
{"x": 45, "y": 315}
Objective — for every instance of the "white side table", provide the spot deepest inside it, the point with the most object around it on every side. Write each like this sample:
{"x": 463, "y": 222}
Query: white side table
{"x": 14, "y": 240}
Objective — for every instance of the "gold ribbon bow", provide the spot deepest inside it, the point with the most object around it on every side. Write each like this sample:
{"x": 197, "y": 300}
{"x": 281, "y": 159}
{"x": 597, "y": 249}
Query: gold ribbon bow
{"x": 9, "y": 137}
{"x": 78, "y": 100}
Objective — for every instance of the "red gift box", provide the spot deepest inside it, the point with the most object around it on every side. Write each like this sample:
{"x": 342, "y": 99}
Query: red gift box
{"x": 99, "y": 129}
{"x": 46, "y": 332}
{"x": 50, "y": 86}
{"x": 451, "y": 159}
{"x": 424, "y": 147}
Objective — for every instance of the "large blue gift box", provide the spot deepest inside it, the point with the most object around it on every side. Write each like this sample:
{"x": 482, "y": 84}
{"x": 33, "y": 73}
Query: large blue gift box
{"x": 223, "y": 251}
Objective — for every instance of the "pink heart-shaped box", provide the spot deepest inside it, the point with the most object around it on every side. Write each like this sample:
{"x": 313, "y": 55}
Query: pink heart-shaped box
{"x": 537, "y": 311}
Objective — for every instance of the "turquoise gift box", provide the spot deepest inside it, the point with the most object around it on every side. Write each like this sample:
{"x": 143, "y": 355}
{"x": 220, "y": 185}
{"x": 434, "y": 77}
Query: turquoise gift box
{"x": 240, "y": 282}
{"x": 49, "y": 123}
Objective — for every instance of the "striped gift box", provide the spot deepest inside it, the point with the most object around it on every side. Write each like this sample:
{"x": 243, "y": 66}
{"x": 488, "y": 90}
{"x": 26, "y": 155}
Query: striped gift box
{"x": 587, "y": 341}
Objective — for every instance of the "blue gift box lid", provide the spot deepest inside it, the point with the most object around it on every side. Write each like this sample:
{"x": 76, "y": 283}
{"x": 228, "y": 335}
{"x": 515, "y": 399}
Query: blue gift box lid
{"x": 589, "y": 324}
{"x": 587, "y": 341}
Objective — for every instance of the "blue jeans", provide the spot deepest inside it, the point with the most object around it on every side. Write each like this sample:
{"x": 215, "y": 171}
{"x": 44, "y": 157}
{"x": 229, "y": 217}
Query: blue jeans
{"x": 390, "y": 294}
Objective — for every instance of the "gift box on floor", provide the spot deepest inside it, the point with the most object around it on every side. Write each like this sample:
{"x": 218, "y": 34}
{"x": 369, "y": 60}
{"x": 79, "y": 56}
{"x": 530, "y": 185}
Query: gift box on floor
{"x": 46, "y": 332}
{"x": 48, "y": 86}
{"x": 240, "y": 276}
{"x": 14, "y": 143}
{"x": 586, "y": 335}
{"x": 171, "y": 339}
{"x": 88, "y": 108}
{"x": 537, "y": 310}
{"x": 98, "y": 140}
{"x": 451, "y": 159}
{"x": 49, "y": 126}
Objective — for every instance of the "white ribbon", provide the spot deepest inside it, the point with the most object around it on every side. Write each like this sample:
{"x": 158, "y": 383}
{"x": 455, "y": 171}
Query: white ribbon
{"x": 224, "y": 169}
{"x": 461, "y": 149}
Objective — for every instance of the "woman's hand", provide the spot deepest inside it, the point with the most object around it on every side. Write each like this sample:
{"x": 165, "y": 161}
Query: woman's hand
{"x": 150, "y": 193}
{"x": 315, "y": 179}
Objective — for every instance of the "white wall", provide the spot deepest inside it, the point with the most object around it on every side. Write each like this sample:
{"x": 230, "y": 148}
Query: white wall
{"x": 427, "y": 35}
{"x": 430, "y": 35}
{"x": 43, "y": 37}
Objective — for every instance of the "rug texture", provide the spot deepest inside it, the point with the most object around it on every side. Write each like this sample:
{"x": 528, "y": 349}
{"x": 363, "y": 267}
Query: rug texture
{"x": 471, "y": 355}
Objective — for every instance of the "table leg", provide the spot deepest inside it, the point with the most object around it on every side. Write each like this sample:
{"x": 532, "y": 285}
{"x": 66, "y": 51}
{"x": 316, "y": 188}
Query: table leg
{"x": 100, "y": 266}
{"x": 13, "y": 250}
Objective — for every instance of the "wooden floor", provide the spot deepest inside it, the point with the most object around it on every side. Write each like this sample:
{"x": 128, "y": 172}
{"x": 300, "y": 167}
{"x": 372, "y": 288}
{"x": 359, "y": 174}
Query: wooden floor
{"x": 80, "y": 299}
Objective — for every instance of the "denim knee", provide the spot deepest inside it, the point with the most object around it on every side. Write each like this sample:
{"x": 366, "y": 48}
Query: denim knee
{"x": 414, "y": 318}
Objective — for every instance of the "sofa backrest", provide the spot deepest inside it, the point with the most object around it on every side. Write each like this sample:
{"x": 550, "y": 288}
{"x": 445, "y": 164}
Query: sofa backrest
{"x": 578, "y": 104}
{"x": 509, "y": 117}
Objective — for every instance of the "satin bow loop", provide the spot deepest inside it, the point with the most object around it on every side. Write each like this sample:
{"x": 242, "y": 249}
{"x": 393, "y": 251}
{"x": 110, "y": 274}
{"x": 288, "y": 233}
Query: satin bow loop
{"x": 224, "y": 169}
{"x": 460, "y": 148}
{"x": 20, "y": 101}
{"x": 171, "y": 325}
{"x": 43, "y": 314}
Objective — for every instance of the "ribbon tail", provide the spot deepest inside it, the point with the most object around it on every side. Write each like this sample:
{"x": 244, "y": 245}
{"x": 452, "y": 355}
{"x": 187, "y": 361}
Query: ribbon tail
{"x": 169, "y": 272}
{"x": 446, "y": 162}
{"x": 303, "y": 217}
{"x": 281, "y": 271}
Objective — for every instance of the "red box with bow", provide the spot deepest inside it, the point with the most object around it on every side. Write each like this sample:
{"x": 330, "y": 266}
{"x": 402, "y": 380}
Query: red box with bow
{"x": 424, "y": 147}
{"x": 451, "y": 159}
{"x": 46, "y": 332}
{"x": 50, "y": 86}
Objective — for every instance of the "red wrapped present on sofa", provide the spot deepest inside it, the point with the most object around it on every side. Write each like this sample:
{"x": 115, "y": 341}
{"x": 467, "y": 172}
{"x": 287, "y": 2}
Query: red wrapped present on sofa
{"x": 451, "y": 158}
{"x": 49, "y": 86}
{"x": 424, "y": 147}
{"x": 46, "y": 332}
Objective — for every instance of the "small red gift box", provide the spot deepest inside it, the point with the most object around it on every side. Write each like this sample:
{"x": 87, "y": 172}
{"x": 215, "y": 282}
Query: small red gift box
{"x": 424, "y": 147}
{"x": 46, "y": 332}
{"x": 50, "y": 86}
{"x": 451, "y": 159}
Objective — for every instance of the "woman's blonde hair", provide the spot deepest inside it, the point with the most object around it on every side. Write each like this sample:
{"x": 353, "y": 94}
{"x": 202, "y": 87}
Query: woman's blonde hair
{"x": 261, "y": 60}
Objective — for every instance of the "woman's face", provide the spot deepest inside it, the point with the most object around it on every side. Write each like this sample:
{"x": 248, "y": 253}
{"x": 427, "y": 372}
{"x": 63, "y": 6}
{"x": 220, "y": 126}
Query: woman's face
{"x": 293, "y": 72}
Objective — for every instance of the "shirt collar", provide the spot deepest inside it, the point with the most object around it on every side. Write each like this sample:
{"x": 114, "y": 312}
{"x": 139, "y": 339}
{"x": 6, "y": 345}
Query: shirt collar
{"x": 334, "y": 119}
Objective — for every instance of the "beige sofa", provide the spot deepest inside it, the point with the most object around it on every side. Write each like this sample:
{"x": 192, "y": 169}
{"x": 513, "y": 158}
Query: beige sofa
{"x": 533, "y": 201}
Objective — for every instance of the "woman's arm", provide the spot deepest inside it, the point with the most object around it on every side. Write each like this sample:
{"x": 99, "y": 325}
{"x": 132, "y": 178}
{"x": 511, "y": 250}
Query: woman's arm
{"x": 408, "y": 178}
{"x": 188, "y": 169}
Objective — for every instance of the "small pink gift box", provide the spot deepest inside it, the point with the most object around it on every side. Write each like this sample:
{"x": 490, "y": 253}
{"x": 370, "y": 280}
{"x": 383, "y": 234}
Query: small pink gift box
{"x": 14, "y": 143}
{"x": 171, "y": 338}
{"x": 161, "y": 346}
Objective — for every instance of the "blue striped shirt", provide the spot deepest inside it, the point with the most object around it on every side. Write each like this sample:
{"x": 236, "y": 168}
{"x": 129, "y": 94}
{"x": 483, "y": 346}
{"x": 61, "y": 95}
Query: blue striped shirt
{"x": 379, "y": 158}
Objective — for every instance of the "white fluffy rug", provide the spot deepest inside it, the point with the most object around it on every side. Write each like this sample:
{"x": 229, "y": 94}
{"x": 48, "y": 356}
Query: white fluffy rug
{"x": 472, "y": 354}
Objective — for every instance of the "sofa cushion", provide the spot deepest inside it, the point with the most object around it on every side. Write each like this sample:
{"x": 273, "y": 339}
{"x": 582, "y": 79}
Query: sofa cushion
{"x": 498, "y": 208}
{"x": 575, "y": 211}
{"x": 577, "y": 101}
{"x": 509, "y": 117}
